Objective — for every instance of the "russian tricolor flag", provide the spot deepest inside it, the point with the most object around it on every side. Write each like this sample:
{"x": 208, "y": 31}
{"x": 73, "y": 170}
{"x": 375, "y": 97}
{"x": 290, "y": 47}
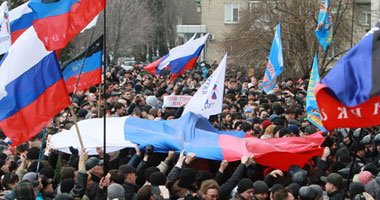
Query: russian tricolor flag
{"x": 92, "y": 68}
{"x": 20, "y": 19}
{"x": 55, "y": 23}
{"x": 180, "y": 58}
{"x": 32, "y": 89}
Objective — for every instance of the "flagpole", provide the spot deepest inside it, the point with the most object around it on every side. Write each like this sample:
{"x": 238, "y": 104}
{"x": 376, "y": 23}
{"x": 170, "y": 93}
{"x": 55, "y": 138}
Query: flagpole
{"x": 42, "y": 145}
{"x": 352, "y": 21}
{"x": 76, "y": 126}
{"x": 100, "y": 96}
{"x": 81, "y": 69}
{"x": 105, "y": 58}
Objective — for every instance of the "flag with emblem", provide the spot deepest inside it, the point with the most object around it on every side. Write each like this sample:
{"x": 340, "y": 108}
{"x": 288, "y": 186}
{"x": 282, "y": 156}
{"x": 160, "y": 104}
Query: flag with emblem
{"x": 85, "y": 67}
{"x": 208, "y": 99}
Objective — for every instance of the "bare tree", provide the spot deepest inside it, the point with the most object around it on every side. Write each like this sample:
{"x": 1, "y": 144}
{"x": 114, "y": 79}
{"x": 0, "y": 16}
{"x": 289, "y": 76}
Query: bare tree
{"x": 249, "y": 44}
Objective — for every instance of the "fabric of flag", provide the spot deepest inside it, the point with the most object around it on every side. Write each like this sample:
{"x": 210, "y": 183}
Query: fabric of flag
{"x": 5, "y": 37}
{"x": 208, "y": 99}
{"x": 91, "y": 71}
{"x": 58, "y": 22}
{"x": 275, "y": 63}
{"x": 180, "y": 58}
{"x": 20, "y": 19}
{"x": 194, "y": 133}
{"x": 324, "y": 31}
{"x": 312, "y": 110}
{"x": 32, "y": 89}
{"x": 348, "y": 96}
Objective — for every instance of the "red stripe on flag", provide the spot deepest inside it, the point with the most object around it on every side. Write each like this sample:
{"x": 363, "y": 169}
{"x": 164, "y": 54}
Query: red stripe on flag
{"x": 16, "y": 34}
{"x": 36, "y": 115}
{"x": 188, "y": 66}
{"x": 86, "y": 80}
{"x": 278, "y": 153}
{"x": 57, "y": 31}
{"x": 336, "y": 115}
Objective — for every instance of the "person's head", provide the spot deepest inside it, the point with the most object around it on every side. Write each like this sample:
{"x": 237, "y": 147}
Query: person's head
{"x": 260, "y": 190}
{"x": 115, "y": 191}
{"x": 245, "y": 188}
{"x": 209, "y": 189}
{"x": 24, "y": 191}
{"x": 115, "y": 176}
{"x": 283, "y": 194}
{"x": 120, "y": 109}
{"x": 47, "y": 184}
{"x": 67, "y": 185}
{"x": 129, "y": 173}
{"x": 95, "y": 166}
{"x": 157, "y": 178}
{"x": 334, "y": 181}
{"x": 68, "y": 172}
{"x": 9, "y": 181}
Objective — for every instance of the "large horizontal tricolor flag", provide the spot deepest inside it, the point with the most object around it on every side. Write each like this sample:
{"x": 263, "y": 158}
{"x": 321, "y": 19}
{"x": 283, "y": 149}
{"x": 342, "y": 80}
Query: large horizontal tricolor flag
{"x": 349, "y": 95}
{"x": 32, "y": 89}
{"x": 58, "y": 22}
{"x": 194, "y": 133}
{"x": 180, "y": 58}
{"x": 91, "y": 72}
{"x": 20, "y": 19}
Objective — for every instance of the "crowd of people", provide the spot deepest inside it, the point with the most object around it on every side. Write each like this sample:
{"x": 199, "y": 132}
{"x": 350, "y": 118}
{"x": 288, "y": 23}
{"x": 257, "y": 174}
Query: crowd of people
{"x": 145, "y": 175}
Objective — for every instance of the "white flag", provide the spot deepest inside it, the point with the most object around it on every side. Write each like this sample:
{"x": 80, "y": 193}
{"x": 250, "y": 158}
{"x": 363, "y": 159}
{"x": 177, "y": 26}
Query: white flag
{"x": 208, "y": 99}
{"x": 5, "y": 36}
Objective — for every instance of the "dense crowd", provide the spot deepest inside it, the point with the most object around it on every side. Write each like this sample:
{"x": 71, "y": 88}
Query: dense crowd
{"x": 145, "y": 175}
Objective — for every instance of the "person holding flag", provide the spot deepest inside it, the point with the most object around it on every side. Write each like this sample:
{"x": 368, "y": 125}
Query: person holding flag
{"x": 312, "y": 110}
{"x": 275, "y": 63}
{"x": 324, "y": 31}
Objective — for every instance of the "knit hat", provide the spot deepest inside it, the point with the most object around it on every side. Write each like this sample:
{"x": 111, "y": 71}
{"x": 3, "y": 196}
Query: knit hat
{"x": 151, "y": 100}
{"x": 157, "y": 178}
{"x": 115, "y": 191}
{"x": 67, "y": 185}
{"x": 24, "y": 191}
{"x": 294, "y": 129}
{"x": 273, "y": 117}
{"x": 266, "y": 123}
{"x": 260, "y": 187}
{"x": 283, "y": 132}
{"x": 186, "y": 177}
{"x": 248, "y": 109}
{"x": 356, "y": 188}
{"x": 246, "y": 127}
{"x": 244, "y": 185}
{"x": 365, "y": 177}
{"x": 202, "y": 176}
{"x": 300, "y": 178}
{"x": 149, "y": 171}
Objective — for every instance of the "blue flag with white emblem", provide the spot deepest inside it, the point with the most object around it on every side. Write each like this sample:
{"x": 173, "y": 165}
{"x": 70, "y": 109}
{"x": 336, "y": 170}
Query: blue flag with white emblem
{"x": 312, "y": 110}
{"x": 275, "y": 63}
{"x": 324, "y": 31}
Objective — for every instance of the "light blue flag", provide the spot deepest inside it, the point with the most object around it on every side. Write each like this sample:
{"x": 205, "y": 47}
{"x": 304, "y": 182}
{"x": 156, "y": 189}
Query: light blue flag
{"x": 275, "y": 63}
{"x": 312, "y": 110}
{"x": 324, "y": 31}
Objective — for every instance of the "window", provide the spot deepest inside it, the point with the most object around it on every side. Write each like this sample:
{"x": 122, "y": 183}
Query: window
{"x": 365, "y": 15}
{"x": 333, "y": 51}
{"x": 231, "y": 13}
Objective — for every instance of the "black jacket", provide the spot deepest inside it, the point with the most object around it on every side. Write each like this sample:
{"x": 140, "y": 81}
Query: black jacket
{"x": 337, "y": 195}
